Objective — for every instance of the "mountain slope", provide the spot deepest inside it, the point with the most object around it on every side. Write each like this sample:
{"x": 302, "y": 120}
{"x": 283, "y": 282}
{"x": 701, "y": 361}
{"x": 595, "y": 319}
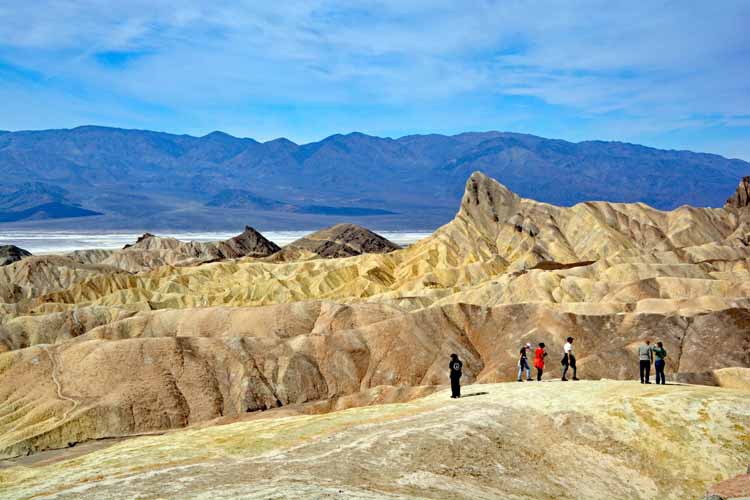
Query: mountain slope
{"x": 184, "y": 181}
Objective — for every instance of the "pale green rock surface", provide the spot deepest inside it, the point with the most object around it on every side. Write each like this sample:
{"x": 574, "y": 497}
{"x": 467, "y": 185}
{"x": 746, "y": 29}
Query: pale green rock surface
{"x": 603, "y": 439}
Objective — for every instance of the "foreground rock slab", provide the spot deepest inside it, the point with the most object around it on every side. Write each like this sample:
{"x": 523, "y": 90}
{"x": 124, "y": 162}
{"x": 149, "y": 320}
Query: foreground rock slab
{"x": 603, "y": 439}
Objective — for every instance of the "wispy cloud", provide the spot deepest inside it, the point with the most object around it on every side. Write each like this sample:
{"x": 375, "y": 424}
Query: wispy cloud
{"x": 617, "y": 70}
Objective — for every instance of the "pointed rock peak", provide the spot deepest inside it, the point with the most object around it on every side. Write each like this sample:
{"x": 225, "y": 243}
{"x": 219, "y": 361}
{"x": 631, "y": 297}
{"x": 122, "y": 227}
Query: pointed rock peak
{"x": 358, "y": 237}
{"x": 341, "y": 240}
{"x": 140, "y": 240}
{"x": 251, "y": 230}
{"x": 250, "y": 243}
{"x": 488, "y": 203}
{"x": 741, "y": 197}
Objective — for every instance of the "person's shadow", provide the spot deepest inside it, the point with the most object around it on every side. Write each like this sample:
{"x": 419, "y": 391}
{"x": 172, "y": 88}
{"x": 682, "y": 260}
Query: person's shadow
{"x": 474, "y": 394}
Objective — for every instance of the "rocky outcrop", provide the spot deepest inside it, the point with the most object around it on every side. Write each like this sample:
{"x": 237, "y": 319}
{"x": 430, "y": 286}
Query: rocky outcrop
{"x": 248, "y": 244}
{"x": 151, "y": 251}
{"x": 37, "y": 275}
{"x": 173, "y": 370}
{"x": 736, "y": 488}
{"x": 741, "y": 197}
{"x": 206, "y": 363}
{"x": 592, "y": 440}
{"x": 11, "y": 253}
{"x": 341, "y": 240}
{"x": 214, "y": 340}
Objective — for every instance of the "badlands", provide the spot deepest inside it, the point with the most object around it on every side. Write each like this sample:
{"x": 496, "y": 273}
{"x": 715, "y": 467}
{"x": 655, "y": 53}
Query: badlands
{"x": 281, "y": 363}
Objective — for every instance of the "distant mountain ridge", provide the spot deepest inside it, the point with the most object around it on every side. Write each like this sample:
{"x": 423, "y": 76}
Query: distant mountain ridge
{"x": 239, "y": 198}
{"x": 138, "y": 178}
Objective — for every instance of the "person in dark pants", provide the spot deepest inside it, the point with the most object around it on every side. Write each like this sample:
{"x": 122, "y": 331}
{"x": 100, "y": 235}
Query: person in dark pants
{"x": 645, "y": 355}
{"x": 659, "y": 361}
{"x": 539, "y": 356}
{"x": 455, "y": 372}
{"x": 569, "y": 359}
{"x": 523, "y": 363}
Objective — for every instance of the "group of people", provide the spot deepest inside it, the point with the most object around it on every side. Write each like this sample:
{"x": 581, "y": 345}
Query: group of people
{"x": 647, "y": 354}
{"x": 568, "y": 361}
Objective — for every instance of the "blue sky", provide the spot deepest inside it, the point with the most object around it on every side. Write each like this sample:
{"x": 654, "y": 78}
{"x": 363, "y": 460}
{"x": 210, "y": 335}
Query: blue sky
{"x": 666, "y": 74}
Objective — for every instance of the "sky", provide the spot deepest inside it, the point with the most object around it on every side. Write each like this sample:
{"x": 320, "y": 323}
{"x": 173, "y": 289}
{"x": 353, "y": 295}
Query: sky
{"x": 669, "y": 74}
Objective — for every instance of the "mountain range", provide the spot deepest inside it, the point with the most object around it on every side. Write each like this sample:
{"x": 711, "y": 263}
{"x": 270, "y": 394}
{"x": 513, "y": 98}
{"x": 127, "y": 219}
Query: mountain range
{"x": 119, "y": 178}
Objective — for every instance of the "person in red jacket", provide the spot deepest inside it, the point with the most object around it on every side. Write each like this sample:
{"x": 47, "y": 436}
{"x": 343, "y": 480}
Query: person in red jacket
{"x": 539, "y": 361}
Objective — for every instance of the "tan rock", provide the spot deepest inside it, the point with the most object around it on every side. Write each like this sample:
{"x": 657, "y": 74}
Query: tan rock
{"x": 588, "y": 440}
{"x": 741, "y": 197}
{"x": 182, "y": 343}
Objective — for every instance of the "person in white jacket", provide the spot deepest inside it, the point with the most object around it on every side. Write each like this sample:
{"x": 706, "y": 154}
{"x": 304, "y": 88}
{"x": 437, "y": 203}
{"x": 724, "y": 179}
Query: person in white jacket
{"x": 569, "y": 359}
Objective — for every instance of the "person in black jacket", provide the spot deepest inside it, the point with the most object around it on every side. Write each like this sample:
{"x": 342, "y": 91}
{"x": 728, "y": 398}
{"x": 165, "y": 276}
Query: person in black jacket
{"x": 523, "y": 363}
{"x": 455, "y": 373}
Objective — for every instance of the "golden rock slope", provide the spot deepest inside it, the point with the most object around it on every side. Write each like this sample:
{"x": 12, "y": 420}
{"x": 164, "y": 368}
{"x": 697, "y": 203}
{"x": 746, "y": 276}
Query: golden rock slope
{"x": 113, "y": 353}
{"x": 499, "y": 248}
{"x": 589, "y": 440}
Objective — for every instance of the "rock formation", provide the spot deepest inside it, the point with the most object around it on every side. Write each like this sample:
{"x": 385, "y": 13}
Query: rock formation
{"x": 150, "y": 251}
{"x": 41, "y": 274}
{"x": 11, "y": 253}
{"x": 741, "y": 197}
{"x": 589, "y": 440}
{"x": 736, "y": 488}
{"x": 341, "y": 240}
{"x": 248, "y": 244}
{"x": 94, "y": 351}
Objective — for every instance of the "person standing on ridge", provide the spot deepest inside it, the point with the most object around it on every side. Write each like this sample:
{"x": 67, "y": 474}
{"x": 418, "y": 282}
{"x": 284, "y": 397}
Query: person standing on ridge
{"x": 539, "y": 356}
{"x": 659, "y": 354}
{"x": 569, "y": 359}
{"x": 645, "y": 356}
{"x": 455, "y": 373}
{"x": 523, "y": 363}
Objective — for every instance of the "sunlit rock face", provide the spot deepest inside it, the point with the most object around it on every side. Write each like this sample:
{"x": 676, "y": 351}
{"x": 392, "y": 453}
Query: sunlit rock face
{"x": 119, "y": 345}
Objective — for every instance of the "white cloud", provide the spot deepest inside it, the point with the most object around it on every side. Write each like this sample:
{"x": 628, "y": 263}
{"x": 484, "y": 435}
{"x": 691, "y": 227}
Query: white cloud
{"x": 663, "y": 62}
